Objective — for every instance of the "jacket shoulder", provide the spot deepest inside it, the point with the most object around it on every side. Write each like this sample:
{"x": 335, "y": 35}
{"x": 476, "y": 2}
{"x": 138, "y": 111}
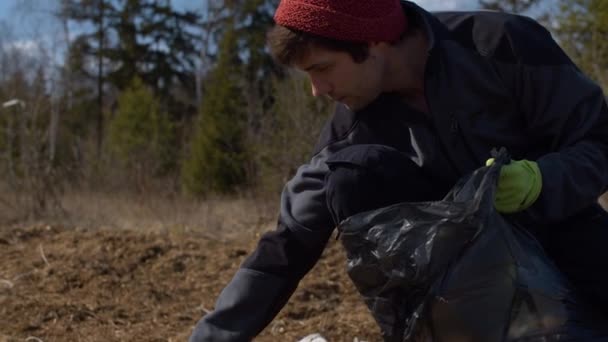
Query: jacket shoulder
{"x": 506, "y": 37}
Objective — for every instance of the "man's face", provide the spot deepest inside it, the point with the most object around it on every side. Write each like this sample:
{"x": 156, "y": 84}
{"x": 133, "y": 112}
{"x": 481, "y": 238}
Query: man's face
{"x": 337, "y": 76}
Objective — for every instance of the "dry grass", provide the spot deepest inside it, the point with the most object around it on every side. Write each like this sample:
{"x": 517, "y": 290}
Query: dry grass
{"x": 125, "y": 210}
{"x": 129, "y": 211}
{"x": 11, "y": 209}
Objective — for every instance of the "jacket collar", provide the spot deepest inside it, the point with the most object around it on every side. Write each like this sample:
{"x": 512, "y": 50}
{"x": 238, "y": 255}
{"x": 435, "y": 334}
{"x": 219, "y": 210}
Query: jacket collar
{"x": 434, "y": 29}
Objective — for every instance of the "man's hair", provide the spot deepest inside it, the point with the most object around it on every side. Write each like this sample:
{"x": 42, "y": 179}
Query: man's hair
{"x": 288, "y": 46}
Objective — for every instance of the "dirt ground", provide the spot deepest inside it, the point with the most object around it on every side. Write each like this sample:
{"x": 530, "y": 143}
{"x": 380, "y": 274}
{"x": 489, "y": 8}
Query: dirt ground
{"x": 73, "y": 284}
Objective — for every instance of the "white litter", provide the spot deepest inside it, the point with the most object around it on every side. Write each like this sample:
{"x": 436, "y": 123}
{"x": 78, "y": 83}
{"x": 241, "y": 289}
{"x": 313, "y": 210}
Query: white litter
{"x": 313, "y": 338}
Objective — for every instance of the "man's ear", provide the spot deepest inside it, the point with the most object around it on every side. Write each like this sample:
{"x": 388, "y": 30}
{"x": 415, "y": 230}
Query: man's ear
{"x": 377, "y": 47}
{"x": 374, "y": 44}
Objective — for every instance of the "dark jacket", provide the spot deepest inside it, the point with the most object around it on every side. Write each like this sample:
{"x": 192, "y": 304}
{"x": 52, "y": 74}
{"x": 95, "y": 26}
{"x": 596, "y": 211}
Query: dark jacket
{"x": 492, "y": 80}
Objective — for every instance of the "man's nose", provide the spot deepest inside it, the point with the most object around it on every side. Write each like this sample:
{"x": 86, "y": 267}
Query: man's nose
{"x": 319, "y": 87}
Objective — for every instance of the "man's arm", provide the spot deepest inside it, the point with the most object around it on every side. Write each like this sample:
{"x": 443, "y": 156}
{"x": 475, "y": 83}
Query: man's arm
{"x": 566, "y": 108}
{"x": 270, "y": 275}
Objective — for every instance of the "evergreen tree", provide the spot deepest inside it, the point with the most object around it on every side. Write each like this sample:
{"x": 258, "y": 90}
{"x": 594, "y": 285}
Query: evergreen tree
{"x": 514, "y": 6}
{"x": 148, "y": 39}
{"x": 95, "y": 13}
{"x": 141, "y": 135}
{"x": 582, "y": 29}
{"x": 217, "y": 158}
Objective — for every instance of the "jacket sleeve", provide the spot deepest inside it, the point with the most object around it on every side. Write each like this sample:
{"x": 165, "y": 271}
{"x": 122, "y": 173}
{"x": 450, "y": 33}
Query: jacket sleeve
{"x": 568, "y": 111}
{"x": 269, "y": 276}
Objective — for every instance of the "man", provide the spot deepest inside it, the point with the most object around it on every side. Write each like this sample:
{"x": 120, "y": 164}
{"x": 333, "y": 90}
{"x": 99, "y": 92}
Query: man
{"x": 422, "y": 100}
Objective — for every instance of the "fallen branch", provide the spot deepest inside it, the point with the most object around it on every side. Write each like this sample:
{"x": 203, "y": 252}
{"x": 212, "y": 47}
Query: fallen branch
{"x": 7, "y": 204}
{"x": 43, "y": 256}
{"x": 7, "y": 283}
{"x": 202, "y": 308}
{"x": 19, "y": 276}
{"x": 33, "y": 338}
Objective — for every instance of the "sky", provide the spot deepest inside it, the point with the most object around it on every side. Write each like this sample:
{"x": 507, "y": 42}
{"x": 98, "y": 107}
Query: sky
{"x": 13, "y": 12}
{"x": 26, "y": 23}
{"x": 6, "y": 6}
{"x": 23, "y": 23}
{"x": 28, "y": 18}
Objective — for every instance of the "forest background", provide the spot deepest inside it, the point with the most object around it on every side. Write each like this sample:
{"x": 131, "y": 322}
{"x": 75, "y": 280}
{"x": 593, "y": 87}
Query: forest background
{"x": 132, "y": 102}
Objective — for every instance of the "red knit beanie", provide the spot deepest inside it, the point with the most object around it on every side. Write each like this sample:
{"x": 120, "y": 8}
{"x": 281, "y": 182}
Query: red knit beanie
{"x": 347, "y": 20}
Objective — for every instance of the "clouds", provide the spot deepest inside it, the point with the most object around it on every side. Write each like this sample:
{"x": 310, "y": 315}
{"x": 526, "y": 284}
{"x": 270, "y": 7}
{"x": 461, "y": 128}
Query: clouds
{"x": 28, "y": 47}
{"x": 438, "y": 5}
{"x": 25, "y": 50}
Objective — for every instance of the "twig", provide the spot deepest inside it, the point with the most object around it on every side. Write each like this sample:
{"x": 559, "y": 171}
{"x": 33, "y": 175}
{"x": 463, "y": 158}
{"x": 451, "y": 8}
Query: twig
{"x": 19, "y": 276}
{"x": 7, "y": 282}
{"x": 205, "y": 310}
{"x": 7, "y": 203}
{"x": 33, "y": 338}
{"x": 43, "y": 256}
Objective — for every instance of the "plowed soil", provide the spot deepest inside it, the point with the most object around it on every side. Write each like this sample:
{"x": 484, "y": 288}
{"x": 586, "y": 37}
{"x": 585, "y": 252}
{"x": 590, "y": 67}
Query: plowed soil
{"x": 73, "y": 284}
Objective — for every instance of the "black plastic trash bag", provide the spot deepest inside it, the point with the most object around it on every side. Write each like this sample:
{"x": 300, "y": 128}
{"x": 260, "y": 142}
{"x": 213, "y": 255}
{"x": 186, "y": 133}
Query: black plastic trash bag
{"x": 455, "y": 270}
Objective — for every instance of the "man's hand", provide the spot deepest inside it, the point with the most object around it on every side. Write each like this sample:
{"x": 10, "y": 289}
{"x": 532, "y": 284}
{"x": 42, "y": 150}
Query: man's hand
{"x": 519, "y": 186}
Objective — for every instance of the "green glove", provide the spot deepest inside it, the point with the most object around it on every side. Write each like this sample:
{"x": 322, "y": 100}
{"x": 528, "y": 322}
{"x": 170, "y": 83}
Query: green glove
{"x": 518, "y": 187}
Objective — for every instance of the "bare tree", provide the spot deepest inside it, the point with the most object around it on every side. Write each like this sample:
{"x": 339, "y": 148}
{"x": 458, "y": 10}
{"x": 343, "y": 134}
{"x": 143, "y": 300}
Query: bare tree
{"x": 30, "y": 115}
